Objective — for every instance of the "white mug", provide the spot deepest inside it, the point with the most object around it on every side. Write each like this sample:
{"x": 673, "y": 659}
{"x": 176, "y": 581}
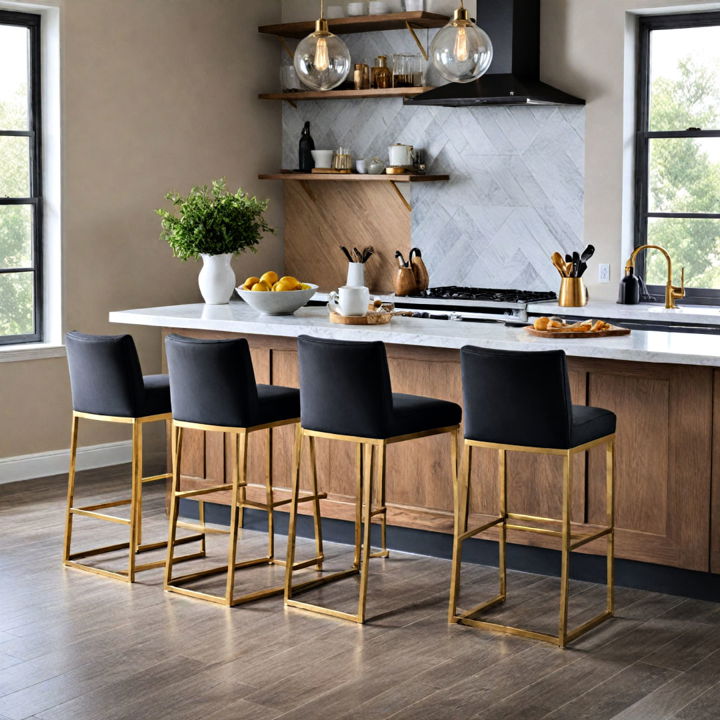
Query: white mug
{"x": 356, "y": 8}
{"x": 361, "y": 166}
{"x": 350, "y": 300}
{"x": 377, "y": 7}
{"x": 323, "y": 158}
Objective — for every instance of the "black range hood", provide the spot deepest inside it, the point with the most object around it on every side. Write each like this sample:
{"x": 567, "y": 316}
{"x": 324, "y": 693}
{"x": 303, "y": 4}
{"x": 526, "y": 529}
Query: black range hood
{"x": 514, "y": 75}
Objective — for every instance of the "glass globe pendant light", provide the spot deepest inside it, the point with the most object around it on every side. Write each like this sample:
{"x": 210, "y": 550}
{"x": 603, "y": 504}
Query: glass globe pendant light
{"x": 322, "y": 60}
{"x": 461, "y": 51}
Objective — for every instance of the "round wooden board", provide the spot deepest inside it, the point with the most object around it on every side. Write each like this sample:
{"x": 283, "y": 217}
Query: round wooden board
{"x": 372, "y": 318}
{"x": 614, "y": 331}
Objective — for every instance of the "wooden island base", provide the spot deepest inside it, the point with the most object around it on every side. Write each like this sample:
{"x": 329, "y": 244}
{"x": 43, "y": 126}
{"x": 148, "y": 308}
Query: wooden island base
{"x": 668, "y": 487}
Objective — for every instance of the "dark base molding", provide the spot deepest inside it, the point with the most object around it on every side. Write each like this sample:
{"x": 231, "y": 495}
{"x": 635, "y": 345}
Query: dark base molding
{"x": 628, "y": 573}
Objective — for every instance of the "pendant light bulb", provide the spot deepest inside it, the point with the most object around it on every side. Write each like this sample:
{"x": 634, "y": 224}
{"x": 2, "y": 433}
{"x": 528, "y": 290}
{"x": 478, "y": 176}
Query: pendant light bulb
{"x": 461, "y": 51}
{"x": 322, "y": 60}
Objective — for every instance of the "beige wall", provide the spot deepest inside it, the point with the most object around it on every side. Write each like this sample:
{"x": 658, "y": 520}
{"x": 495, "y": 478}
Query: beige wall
{"x": 157, "y": 95}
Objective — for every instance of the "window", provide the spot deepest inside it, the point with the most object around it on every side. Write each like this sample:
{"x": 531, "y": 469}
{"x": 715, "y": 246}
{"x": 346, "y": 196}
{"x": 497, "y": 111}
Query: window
{"x": 21, "y": 205}
{"x": 677, "y": 164}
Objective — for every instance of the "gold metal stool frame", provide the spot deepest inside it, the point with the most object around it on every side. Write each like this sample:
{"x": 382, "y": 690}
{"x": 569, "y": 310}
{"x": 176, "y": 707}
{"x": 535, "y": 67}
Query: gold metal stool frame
{"x": 370, "y": 455}
{"x": 134, "y": 545}
{"x": 238, "y": 503}
{"x": 569, "y": 540}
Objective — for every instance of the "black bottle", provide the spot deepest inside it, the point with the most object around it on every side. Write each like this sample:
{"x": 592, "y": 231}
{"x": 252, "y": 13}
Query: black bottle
{"x": 629, "y": 288}
{"x": 307, "y": 144}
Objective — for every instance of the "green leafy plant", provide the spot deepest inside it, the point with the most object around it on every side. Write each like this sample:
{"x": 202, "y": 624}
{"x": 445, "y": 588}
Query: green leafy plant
{"x": 213, "y": 221}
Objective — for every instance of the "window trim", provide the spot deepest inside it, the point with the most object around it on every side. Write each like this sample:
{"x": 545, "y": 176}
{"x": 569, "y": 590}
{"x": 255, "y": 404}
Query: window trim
{"x": 32, "y": 22}
{"x": 643, "y": 135}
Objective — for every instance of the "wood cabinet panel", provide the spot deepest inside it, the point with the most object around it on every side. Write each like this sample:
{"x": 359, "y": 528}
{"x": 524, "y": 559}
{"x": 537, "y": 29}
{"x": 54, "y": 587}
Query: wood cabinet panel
{"x": 663, "y": 456}
{"x": 663, "y": 460}
{"x": 369, "y": 213}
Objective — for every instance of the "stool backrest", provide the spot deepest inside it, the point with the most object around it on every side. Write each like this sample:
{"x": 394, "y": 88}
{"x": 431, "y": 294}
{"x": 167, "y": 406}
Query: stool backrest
{"x": 344, "y": 387}
{"x": 212, "y": 381}
{"x": 105, "y": 374}
{"x": 516, "y": 398}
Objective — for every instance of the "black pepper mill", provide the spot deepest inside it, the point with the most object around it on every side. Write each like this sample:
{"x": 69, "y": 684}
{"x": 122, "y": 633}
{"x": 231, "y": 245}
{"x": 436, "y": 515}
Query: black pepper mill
{"x": 307, "y": 145}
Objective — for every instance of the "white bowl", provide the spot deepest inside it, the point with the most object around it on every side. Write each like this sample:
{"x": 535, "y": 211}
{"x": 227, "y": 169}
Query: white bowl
{"x": 277, "y": 303}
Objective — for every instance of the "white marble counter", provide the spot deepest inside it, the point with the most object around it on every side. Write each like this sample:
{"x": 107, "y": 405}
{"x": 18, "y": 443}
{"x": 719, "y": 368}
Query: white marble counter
{"x": 640, "y": 346}
{"x": 657, "y": 313}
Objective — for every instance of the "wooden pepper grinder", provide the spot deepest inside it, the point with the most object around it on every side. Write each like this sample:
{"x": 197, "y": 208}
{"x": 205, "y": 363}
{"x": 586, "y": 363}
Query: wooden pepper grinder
{"x": 420, "y": 273}
{"x": 404, "y": 277}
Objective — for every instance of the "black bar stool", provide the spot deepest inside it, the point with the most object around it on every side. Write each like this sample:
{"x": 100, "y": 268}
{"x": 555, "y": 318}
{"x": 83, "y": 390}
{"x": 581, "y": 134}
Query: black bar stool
{"x": 346, "y": 395}
{"x": 520, "y": 402}
{"x": 213, "y": 389}
{"x": 108, "y": 386}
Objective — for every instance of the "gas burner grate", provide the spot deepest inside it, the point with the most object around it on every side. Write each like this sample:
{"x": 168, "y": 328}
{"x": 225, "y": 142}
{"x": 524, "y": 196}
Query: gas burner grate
{"x": 453, "y": 292}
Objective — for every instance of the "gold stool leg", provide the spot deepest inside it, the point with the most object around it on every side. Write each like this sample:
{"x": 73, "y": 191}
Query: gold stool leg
{"x": 502, "y": 528}
{"x": 566, "y": 540}
{"x": 176, "y": 434}
{"x": 139, "y": 500}
{"x": 71, "y": 487}
{"x": 367, "y": 524}
{"x": 269, "y": 498}
{"x": 317, "y": 518}
{"x": 358, "y": 503}
{"x": 610, "y": 511}
{"x": 238, "y": 497}
{"x": 201, "y": 520}
{"x": 461, "y": 500}
{"x": 381, "y": 454}
{"x": 290, "y": 560}
{"x": 136, "y": 483}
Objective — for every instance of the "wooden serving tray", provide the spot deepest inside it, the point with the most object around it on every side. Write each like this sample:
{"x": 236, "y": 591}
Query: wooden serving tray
{"x": 614, "y": 331}
{"x": 372, "y": 318}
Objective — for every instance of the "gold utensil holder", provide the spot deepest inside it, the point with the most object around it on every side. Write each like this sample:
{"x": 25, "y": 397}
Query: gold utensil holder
{"x": 573, "y": 293}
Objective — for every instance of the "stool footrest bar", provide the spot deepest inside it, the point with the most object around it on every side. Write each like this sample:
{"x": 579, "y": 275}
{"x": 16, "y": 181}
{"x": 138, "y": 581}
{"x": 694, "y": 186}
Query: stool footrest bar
{"x": 589, "y": 538}
{"x": 204, "y": 491}
{"x": 323, "y": 610}
{"x": 464, "y": 615}
{"x": 102, "y": 506}
{"x": 309, "y": 584}
{"x": 202, "y": 528}
{"x": 479, "y": 529}
{"x": 155, "y": 478}
{"x": 217, "y": 570}
{"x": 100, "y": 516}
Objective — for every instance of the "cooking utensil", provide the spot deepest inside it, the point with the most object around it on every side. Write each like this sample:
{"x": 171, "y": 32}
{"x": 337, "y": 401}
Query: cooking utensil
{"x": 587, "y": 253}
{"x": 357, "y": 255}
{"x": 347, "y": 253}
{"x": 400, "y": 257}
{"x": 568, "y": 269}
{"x": 576, "y": 264}
{"x": 368, "y": 252}
{"x": 557, "y": 261}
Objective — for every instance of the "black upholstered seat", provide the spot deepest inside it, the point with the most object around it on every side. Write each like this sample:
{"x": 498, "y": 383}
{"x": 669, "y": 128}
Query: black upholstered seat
{"x": 523, "y": 398}
{"x": 106, "y": 378}
{"x": 345, "y": 390}
{"x": 212, "y": 382}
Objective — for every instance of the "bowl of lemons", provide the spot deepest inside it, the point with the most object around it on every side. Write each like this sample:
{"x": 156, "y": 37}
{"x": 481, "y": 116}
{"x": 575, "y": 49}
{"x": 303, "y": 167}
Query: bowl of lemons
{"x": 271, "y": 294}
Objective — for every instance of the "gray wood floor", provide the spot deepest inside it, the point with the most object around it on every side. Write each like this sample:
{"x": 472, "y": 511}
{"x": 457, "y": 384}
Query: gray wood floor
{"x": 81, "y": 647}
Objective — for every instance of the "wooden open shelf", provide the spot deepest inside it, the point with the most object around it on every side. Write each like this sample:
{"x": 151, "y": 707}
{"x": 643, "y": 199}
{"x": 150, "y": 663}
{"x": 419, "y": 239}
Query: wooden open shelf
{"x": 359, "y": 24}
{"x": 352, "y": 177}
{"x": 345, "y": 94}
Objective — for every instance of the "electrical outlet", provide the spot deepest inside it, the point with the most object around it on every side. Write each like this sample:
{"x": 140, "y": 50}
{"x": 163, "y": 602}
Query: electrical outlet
{"x": 604, "y": 273}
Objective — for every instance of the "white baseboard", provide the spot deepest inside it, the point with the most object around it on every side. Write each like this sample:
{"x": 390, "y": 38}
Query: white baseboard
{"x": 55, "y": 462}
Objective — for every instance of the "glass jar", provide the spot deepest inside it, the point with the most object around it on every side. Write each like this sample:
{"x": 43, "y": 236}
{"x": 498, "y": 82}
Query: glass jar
{"x": 381, "y": 75}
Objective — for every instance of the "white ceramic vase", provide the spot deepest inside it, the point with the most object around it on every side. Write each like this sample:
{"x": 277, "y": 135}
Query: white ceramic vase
{"x": 216, "y": 279}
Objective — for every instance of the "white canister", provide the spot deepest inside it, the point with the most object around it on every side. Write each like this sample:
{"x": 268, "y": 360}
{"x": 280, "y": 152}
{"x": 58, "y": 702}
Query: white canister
{"x": 356, "y": 8}
{"x": 361, "y": 166}
{"x": 355, "y": 274}
{"x": 400, "y": 155}
{"x": 377, "y": 7}
{"x": 323, "y": 158}
{"x": 350, "y": 301}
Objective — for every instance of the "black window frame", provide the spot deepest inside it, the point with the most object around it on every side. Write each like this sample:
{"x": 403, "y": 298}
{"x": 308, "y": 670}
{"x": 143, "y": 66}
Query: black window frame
{"x": 643, "y": 135}
{"x": 32, "y": 22}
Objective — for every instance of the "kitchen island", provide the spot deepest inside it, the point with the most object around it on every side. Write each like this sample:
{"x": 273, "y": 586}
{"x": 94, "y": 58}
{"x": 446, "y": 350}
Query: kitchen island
{"x": 664, "y": 387}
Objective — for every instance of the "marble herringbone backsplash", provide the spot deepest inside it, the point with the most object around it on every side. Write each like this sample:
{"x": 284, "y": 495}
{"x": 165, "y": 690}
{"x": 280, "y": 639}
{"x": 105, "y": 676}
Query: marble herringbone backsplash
{"x": 516, "y": 188}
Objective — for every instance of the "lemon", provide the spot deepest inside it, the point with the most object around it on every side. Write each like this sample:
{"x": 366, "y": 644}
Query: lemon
{"x": 290, "y": 281}
{"x": 269, "y": 278}
{"x": 260, "y": 287}
{"x": 283, "y": 286}
{"x": 249, "y": 282}
{"x": 304, "y": 286}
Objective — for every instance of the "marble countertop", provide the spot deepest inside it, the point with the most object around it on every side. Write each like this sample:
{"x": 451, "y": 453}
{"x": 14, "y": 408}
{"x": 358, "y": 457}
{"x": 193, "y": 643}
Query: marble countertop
{"x": 640, "y": 346}
{"x": 649, "y": 312}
